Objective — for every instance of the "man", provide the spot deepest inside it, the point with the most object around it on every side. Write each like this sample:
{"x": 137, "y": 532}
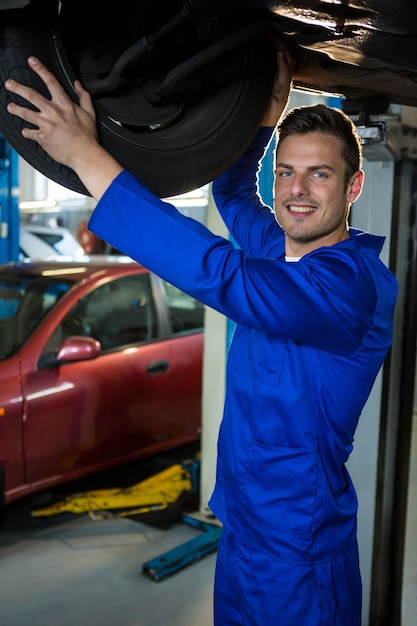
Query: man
{"x": 313, "y": 306}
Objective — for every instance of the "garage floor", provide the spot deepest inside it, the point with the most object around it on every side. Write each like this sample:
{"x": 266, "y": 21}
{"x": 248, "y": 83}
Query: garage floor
{"x": 69, "y": 569}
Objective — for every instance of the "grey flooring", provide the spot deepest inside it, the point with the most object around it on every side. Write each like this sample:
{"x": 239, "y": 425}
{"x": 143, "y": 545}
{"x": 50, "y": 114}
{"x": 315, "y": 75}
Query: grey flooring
{"x": 72, "y": 570}
{"x": 90, "y": 572}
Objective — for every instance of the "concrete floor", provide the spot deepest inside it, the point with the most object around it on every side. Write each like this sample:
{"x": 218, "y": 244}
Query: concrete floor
{"x": 84, "y": 572}
{"x": 70, "y": 569}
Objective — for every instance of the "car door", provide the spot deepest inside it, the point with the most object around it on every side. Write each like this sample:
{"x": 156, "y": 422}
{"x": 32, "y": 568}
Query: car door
{"x": 186, "y": 324}
{"x": 12, "y": 475}
{"x": 129, "y": 401}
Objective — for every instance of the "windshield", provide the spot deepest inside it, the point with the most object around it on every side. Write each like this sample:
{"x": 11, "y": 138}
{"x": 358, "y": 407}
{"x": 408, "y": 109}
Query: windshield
{"x": 24, "y": 302}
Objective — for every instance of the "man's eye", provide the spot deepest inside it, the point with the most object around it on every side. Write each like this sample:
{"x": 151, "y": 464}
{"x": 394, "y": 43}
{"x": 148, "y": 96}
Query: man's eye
{"x": 320, "y": 175}
{"x": 284, "y": 174}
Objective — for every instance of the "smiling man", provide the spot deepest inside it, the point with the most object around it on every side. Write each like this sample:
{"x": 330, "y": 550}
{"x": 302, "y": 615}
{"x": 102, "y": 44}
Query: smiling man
{"x": 310, "y": 338}
{"x": 313, "y": 188}
{"x": 300, "y": 368}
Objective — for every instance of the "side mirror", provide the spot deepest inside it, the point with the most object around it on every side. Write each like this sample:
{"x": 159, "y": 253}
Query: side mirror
{"x": 78, "y": 348}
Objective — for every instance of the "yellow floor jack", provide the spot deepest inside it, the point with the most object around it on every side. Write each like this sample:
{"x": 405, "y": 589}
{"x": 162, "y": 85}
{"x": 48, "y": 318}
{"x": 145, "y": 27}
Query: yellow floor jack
{"x": 150, "y": 499}
{"x": 153, "y": 494}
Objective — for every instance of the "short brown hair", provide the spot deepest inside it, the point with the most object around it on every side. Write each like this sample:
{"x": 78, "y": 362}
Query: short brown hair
{"x": 320, "y": 118}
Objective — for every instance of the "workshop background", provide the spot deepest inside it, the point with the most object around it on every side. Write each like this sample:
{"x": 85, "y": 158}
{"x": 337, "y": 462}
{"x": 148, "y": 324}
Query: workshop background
{"x": 69, "y": 567}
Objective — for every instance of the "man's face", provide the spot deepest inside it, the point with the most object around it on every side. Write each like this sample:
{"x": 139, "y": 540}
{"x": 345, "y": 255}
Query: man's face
{"x": 311, "y": 197}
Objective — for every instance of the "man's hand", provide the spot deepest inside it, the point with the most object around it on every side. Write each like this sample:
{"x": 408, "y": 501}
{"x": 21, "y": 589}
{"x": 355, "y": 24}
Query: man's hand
{"x": 281, "y": 87}
{"x": 65, "y": 130}
{"x": 62, "y": 127}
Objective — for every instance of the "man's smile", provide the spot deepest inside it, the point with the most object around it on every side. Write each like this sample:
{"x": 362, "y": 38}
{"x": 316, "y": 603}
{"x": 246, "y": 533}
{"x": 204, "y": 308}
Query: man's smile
{"x": 295, "y": 208}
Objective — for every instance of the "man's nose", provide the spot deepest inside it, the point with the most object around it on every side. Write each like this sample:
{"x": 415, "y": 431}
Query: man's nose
{"x": 299, "y": 185}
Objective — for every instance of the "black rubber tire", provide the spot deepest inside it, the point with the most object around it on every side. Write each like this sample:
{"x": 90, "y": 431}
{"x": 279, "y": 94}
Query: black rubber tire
{"x": 207, "y": 139}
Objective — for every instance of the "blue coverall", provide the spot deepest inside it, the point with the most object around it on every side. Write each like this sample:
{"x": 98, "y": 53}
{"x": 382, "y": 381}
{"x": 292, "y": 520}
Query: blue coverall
{"x": 310, "y": 339}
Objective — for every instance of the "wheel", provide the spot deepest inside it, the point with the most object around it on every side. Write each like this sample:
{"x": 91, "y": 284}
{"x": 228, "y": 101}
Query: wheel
{"x": 173, "y": 143}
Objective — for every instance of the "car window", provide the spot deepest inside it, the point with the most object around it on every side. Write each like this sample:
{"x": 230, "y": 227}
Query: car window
{"x": 186, "y": 313}
{"x": 62, "y": 242}
{"x": 52, "y": 239}
{"x": 24, "y": 302}
{"x": 38, "y": 241}
{"x": 118, "y": 313}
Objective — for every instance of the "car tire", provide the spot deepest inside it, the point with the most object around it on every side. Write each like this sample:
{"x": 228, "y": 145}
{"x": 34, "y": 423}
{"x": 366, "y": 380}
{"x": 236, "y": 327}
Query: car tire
{"x": 211, "y": 134}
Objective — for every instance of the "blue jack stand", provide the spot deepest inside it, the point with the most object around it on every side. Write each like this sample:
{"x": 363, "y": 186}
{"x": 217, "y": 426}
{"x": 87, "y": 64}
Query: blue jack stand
{"x": 159, "y": 568}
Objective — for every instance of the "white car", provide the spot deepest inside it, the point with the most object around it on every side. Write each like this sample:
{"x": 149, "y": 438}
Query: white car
{"x": 42, "y": 242}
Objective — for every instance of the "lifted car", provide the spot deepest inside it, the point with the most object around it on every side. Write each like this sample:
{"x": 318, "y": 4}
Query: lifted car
{"x": 180, "y": 86}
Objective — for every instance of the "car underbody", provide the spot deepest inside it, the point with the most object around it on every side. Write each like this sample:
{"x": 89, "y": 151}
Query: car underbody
{"x": 181, "y": 86}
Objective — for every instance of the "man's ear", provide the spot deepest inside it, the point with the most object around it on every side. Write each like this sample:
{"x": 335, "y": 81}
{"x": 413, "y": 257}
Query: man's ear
{"x": 355, "y": 185}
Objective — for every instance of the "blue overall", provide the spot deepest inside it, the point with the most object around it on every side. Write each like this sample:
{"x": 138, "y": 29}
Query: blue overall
{"x": 310, "y": 339}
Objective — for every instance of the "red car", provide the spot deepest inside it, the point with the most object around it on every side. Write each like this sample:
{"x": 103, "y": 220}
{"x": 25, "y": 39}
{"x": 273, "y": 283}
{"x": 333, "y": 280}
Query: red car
{"x": 101, "y": 363}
